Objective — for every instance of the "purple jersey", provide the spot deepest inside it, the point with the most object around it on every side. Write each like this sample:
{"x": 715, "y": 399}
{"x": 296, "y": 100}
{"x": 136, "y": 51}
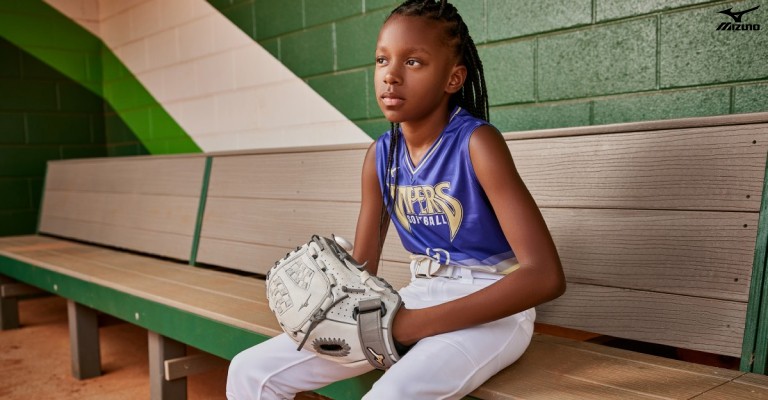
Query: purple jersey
{"x": 441, "y": 209}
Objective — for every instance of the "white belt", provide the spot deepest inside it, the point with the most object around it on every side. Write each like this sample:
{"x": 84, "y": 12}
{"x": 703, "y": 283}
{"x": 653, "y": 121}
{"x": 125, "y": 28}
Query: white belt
{"x": 424, "y": 267}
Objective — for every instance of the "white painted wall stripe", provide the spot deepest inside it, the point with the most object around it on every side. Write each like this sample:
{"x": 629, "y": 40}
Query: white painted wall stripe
{"x": 224, "y": 89}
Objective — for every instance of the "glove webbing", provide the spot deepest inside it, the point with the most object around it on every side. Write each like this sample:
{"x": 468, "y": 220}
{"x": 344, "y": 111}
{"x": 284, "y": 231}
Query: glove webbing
{"x": 371, "y": 334}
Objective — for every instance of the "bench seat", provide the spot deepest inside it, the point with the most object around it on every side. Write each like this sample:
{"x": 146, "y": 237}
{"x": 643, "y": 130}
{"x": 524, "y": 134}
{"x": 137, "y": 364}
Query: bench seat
{"x": 222, "y": 297}
{"x": 551, "y": 367}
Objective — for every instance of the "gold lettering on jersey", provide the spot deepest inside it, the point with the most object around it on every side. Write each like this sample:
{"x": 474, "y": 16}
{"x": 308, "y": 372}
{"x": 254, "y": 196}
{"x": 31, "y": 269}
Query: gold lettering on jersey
{"x": 435, "y": 206}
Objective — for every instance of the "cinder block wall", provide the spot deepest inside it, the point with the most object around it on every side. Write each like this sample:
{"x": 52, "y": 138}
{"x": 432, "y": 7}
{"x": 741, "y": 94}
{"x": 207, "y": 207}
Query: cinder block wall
{"x": 43, "y": 116}
{"x": 549, "y": 63}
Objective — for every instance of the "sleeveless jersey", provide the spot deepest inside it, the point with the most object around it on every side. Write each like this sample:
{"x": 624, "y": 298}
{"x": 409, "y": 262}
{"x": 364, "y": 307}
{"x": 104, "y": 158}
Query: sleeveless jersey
{"x": 441, "y": 210}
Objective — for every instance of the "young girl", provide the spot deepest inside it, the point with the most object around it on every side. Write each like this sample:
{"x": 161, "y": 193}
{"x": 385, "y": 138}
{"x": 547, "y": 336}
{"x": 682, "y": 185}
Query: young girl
{"x": 482, "y": 254}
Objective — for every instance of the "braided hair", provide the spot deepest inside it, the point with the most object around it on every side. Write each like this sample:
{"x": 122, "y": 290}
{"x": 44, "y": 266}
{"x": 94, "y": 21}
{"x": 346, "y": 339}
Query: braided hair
{"x": 473, "y": 96}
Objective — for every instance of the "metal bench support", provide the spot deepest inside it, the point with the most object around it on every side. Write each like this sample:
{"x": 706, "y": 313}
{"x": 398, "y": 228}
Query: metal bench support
{"x": 84, "y": 340}
{"x": 162, "y": 348}
{"x": 10, "y": 293}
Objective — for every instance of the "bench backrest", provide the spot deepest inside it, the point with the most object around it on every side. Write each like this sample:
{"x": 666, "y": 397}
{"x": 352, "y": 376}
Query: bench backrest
{"x": 656, "y": 226}
{"x": 144, "y": 204}
{"x": 261, "y": 205}
{"x": 655, "y": 223}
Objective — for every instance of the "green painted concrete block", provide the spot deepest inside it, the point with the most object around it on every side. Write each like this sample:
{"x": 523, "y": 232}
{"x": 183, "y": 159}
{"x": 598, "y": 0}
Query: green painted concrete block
{"x": 83, "y": 151}
{"x": 751, "y": 98}
{"x": 381, "y": 4}
{"x": 374, "y": 127}
{"x": 616, "y": 58}
{"x": 509, "y": 72}
{"x": 129, "y": 149}
{"x": 272, "y": 46}
{"x": 693, "y": 52}
{"x": 474, "y": 16}
{"x": 26, "y": 161}
{"x": 323, "y": 11}
{"x": 244, "y": 17}
{"x": 374, "y": 111}
{"x": 172, "y": 146}
{"x": 356, "y": 39}
{"x": 613, "y": 9}
{"x": 36, "y": 191}
{"x": 345, "y": 91}
{"x": 163, "y": 125}
{"x": 540, "y": 116}
{"x": 12, "y": 130}
{"x": 80, "y": 67}
{"x": 510, "y": 19}
{"x": 73, "y": 97}
{"x": 112, "y": 68}
{"x": 308, "y": 52}
{"x": 59, "y": 128}
{"x": 278, "y": 17}
{"x": 18, "y": 222}
{"x": 127, "y": 93}
{"x": 33, "y": 68}
{"x": 10, "y": 60}
{"x": 15, "y": 194}
{"x": 664, "y": 105}
{"x": 28, "y": 95}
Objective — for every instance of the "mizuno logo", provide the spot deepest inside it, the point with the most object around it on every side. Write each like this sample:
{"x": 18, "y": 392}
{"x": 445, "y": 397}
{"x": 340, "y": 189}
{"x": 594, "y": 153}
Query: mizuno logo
{"x": 737, "y": 15}
{"x": 378, "y": 357}
{"x": 306, "y": 303}
{"x": 737, "y": 25}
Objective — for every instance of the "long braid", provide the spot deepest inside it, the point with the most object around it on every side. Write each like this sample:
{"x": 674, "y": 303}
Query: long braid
{"x": 390, "y": 180}
{"x": 473, "y": 96}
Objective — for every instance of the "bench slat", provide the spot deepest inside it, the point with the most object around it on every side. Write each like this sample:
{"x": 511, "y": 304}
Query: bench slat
{"x": 142, "y": 204}
{"x": 246, "y": 313}
{"x": 689, "y": 322}
{"x": 321, "y": 175}
{"x": 162, "y": 175}
{"x": 681, "y": 321}
{"x": 585, "y": 370}
{"x": 158, "y": 213}
{"x": 251, "y": 224}
{"x": 160, "y": 243}
{"x": 721, "y": 167}
{"x": 700, "y": 254}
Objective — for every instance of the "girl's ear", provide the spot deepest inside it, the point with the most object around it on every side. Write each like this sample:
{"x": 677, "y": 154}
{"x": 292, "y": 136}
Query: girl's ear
{"x": 457, "y": 78}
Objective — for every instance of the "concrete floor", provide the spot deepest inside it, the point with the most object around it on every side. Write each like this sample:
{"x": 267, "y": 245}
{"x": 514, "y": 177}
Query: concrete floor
{"x": 35, "y": 363}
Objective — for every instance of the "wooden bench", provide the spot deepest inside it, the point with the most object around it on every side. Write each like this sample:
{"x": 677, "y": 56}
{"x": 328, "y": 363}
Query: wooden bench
{"x": 658, "y": 225}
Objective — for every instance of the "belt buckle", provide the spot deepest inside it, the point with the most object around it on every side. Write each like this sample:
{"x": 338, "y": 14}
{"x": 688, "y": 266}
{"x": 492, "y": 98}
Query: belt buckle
{"x": 428, "y": 269}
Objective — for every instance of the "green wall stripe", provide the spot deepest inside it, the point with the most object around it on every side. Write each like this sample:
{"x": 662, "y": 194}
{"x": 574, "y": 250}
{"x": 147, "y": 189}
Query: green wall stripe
{"x": 61, "y": 43}
{"x": 54, "y": 39}
{"x": 201, "y": 211}
{"x": 754, "y": 350}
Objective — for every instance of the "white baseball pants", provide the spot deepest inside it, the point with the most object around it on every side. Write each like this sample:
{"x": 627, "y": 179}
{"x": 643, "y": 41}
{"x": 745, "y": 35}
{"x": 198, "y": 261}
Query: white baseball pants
{"x": 446, "y": 366}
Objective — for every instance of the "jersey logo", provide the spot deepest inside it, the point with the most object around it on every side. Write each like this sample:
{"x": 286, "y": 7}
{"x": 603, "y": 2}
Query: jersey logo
{"x": 428, "y": 205}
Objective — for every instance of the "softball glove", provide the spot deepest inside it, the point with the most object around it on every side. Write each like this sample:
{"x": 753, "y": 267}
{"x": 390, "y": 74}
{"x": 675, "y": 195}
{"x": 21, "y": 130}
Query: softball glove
{"x": 327, "y": 303}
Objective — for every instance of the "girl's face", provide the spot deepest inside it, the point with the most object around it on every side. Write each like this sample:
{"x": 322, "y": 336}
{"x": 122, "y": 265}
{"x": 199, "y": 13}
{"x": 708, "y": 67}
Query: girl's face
{"x": 416, "y": 69}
